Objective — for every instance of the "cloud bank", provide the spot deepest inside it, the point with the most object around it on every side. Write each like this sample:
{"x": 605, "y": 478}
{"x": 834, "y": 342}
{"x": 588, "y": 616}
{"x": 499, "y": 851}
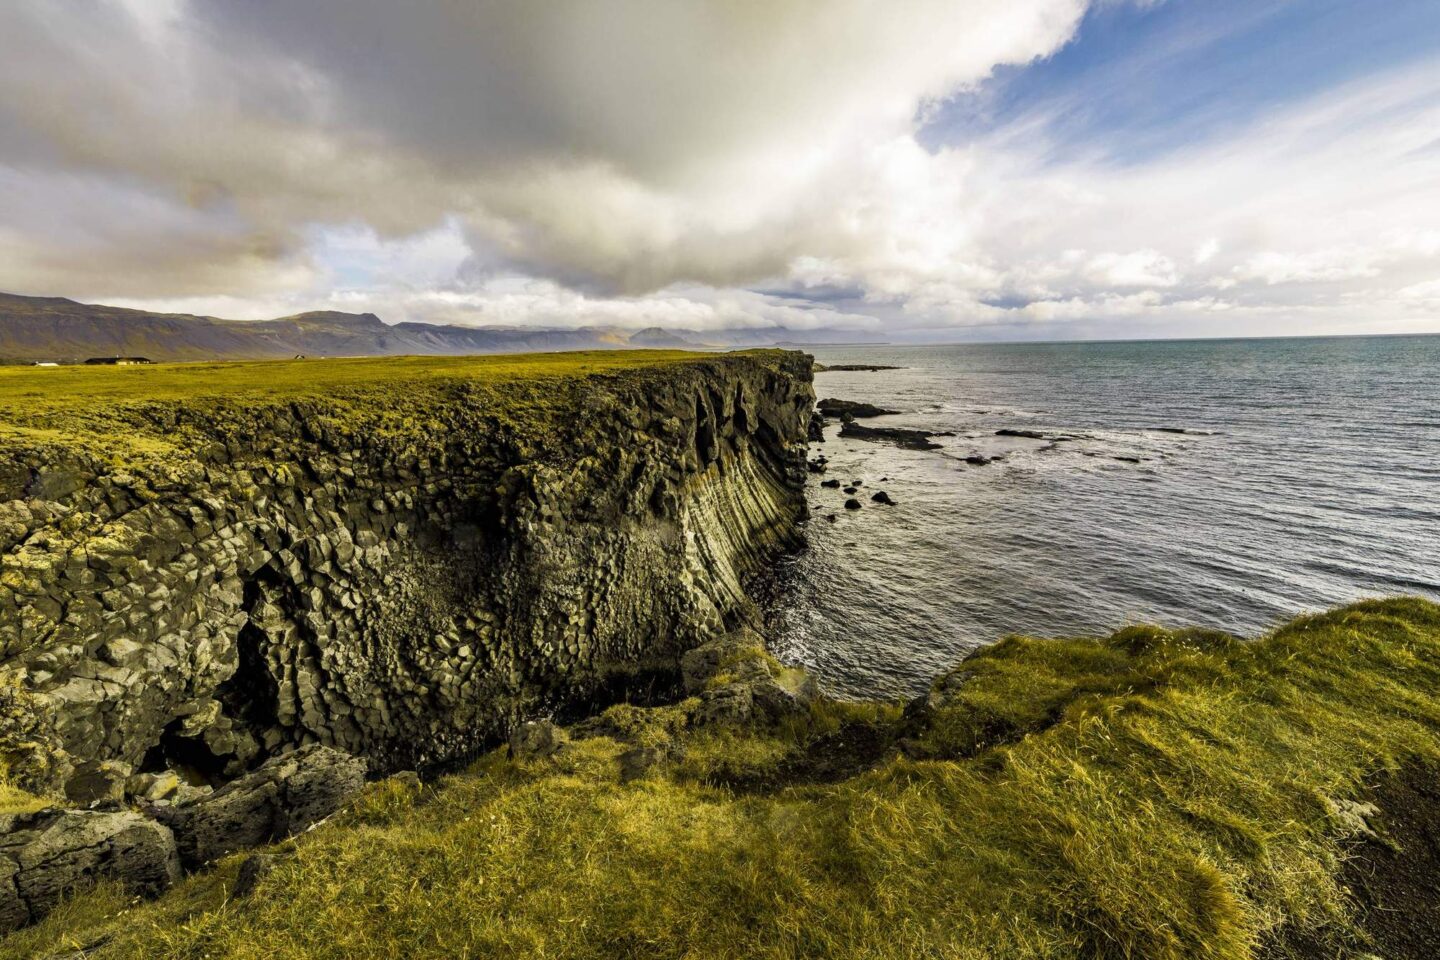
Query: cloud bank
{"x": 695, "y": 165}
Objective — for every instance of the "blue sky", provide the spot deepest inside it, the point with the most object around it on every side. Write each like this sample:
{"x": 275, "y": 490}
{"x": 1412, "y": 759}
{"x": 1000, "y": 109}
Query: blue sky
{"x": 916, "y": 170}
{"x": 1139, "y": 80}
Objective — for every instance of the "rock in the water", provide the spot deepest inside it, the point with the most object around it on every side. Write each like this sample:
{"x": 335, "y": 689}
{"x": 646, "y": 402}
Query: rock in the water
{"x": 832, "y": 484}
{"x": 900, "y": 436}
{"x": 852, "y": 490}
{"x": 851, "y": 409}
{"x": 47, "y": 855}
{"x": 882, "y": 497}
{"x": 976, "y": 460}
{"x": 852, "y": 368}
{"x": 1027, "y": 434}
{"x": 832, "y": 517}
{"x": 536, "y": 739}
{"x": 286, "y": 795}
{"x": 852, "y": 504}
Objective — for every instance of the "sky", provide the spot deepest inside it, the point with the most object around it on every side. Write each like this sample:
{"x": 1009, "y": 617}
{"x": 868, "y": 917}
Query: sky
{"x": 910, "y": 170}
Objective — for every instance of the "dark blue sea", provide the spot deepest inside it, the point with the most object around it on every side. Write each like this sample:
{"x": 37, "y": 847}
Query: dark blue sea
{"x": 1223, "y": 483}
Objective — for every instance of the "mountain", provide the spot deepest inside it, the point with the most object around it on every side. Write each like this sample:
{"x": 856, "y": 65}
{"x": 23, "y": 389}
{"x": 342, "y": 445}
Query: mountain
{"x": 54, "y": 328}
{"x": 660, "y": 337}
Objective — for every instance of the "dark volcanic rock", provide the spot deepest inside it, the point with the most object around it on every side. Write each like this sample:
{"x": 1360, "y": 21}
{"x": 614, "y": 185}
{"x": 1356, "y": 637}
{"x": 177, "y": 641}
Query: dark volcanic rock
{"x": 977, "y": 460}
{"x": 758, "y": 688}
{"x": 852, "y": 368}
{"x": 535, "y": 739}
{"x": 285, "y": 796}
{"x": 45, "y": 856}
{"x": 900, "y": 436}
{"x": 882, "y": 497}
{"x": 1027, "y": 434}
{"x": 832, "y": 484}
{"x": 852, "y": 504}
{"x": 843, "y": 409}
{"x": 286, "y": 575}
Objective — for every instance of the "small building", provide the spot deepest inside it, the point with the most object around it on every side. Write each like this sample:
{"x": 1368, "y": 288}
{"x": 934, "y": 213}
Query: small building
{"x": 117, "y": 361}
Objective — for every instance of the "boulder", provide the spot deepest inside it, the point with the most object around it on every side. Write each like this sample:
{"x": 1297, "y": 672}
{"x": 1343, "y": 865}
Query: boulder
{"x": 97, "y": 781}
{"x": 882, "y": 497}
{"x": 536, "y": 739}
{"x": 285, "y": 796}
{"x": 47, "y": 855}
{"x": 638, "y": 762}
{"x": 900, "y": 436}
{"x": 851, "y": 409}
{"x": 730, "y": 653}
{"x": 832, "y": 484}
{"x": 852, "y": 504}
{"x": 728, "y": 705}
{"x": 815, "y": 430}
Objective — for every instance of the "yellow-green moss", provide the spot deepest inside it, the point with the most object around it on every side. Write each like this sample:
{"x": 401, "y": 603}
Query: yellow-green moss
{"x": 126, "y": 414}
{"x": 1149, "y": 795}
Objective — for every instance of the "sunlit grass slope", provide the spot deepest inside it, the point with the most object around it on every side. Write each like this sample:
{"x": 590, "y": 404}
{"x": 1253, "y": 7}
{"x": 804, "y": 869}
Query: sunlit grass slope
{"x": 121, "y": 412}
{"x": 1152, "y": 794}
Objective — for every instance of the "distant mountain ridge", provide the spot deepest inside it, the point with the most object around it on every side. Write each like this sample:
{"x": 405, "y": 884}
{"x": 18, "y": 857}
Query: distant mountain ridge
{"x": 54, "y": 328}
{"x": 59, "y": 329}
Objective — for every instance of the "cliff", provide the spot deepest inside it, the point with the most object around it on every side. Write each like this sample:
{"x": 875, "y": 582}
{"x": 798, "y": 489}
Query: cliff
{"x": 204, "y": 565}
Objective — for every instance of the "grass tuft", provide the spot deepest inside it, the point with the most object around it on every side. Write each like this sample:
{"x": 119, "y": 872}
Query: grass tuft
{"x": 1153, "y": 794}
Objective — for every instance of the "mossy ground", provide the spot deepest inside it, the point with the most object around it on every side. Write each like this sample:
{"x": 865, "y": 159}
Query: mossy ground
{"x": 123, "y": 413}
{"x": 1152, "y": 794}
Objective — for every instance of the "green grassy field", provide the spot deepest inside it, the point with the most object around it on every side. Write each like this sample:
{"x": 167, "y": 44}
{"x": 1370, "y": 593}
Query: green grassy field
{"x": 124, "y": 414}
{"x": 28, "y": 392}
{"x": 1153, "y": 794}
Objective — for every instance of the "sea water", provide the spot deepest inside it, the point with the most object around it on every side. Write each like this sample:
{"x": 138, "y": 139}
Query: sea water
{"x": 1223, "y": 483}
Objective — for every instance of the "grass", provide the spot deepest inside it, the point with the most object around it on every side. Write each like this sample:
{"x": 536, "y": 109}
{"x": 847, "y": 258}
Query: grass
{"x": 145, "y": 413}
{"x": 1152, "y": 794}
{"x": 28, "y": 391}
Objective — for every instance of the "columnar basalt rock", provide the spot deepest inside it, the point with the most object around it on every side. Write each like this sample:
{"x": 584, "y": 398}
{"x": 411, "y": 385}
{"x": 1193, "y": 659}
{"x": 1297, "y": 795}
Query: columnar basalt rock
{"x": 396, "y": 577}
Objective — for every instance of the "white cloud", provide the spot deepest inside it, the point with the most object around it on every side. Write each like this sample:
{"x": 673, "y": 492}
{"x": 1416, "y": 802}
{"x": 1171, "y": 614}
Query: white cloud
{"x": 642, "y": 162}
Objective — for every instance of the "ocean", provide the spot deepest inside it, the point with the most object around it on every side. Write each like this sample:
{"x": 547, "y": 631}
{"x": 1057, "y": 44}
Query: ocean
{"x": 1221, "y": 483}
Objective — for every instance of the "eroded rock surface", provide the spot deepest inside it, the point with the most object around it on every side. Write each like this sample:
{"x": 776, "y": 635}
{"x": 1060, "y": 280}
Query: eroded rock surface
{"x": 46, "y": 855}
{"x": 398, "y": 585}
{"x": 283, "y": 797}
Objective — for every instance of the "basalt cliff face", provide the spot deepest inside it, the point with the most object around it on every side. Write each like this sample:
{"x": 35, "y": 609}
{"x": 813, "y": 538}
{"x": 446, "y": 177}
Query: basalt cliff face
{"x": 398, "y": 571}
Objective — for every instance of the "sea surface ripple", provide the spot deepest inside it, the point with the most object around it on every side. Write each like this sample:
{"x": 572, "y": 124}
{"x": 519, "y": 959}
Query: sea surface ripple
{"x": 1308, "y": 474}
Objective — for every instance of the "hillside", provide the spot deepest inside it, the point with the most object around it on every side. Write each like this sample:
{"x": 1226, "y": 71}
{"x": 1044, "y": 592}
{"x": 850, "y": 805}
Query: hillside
{"x": 54, "y": 328}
